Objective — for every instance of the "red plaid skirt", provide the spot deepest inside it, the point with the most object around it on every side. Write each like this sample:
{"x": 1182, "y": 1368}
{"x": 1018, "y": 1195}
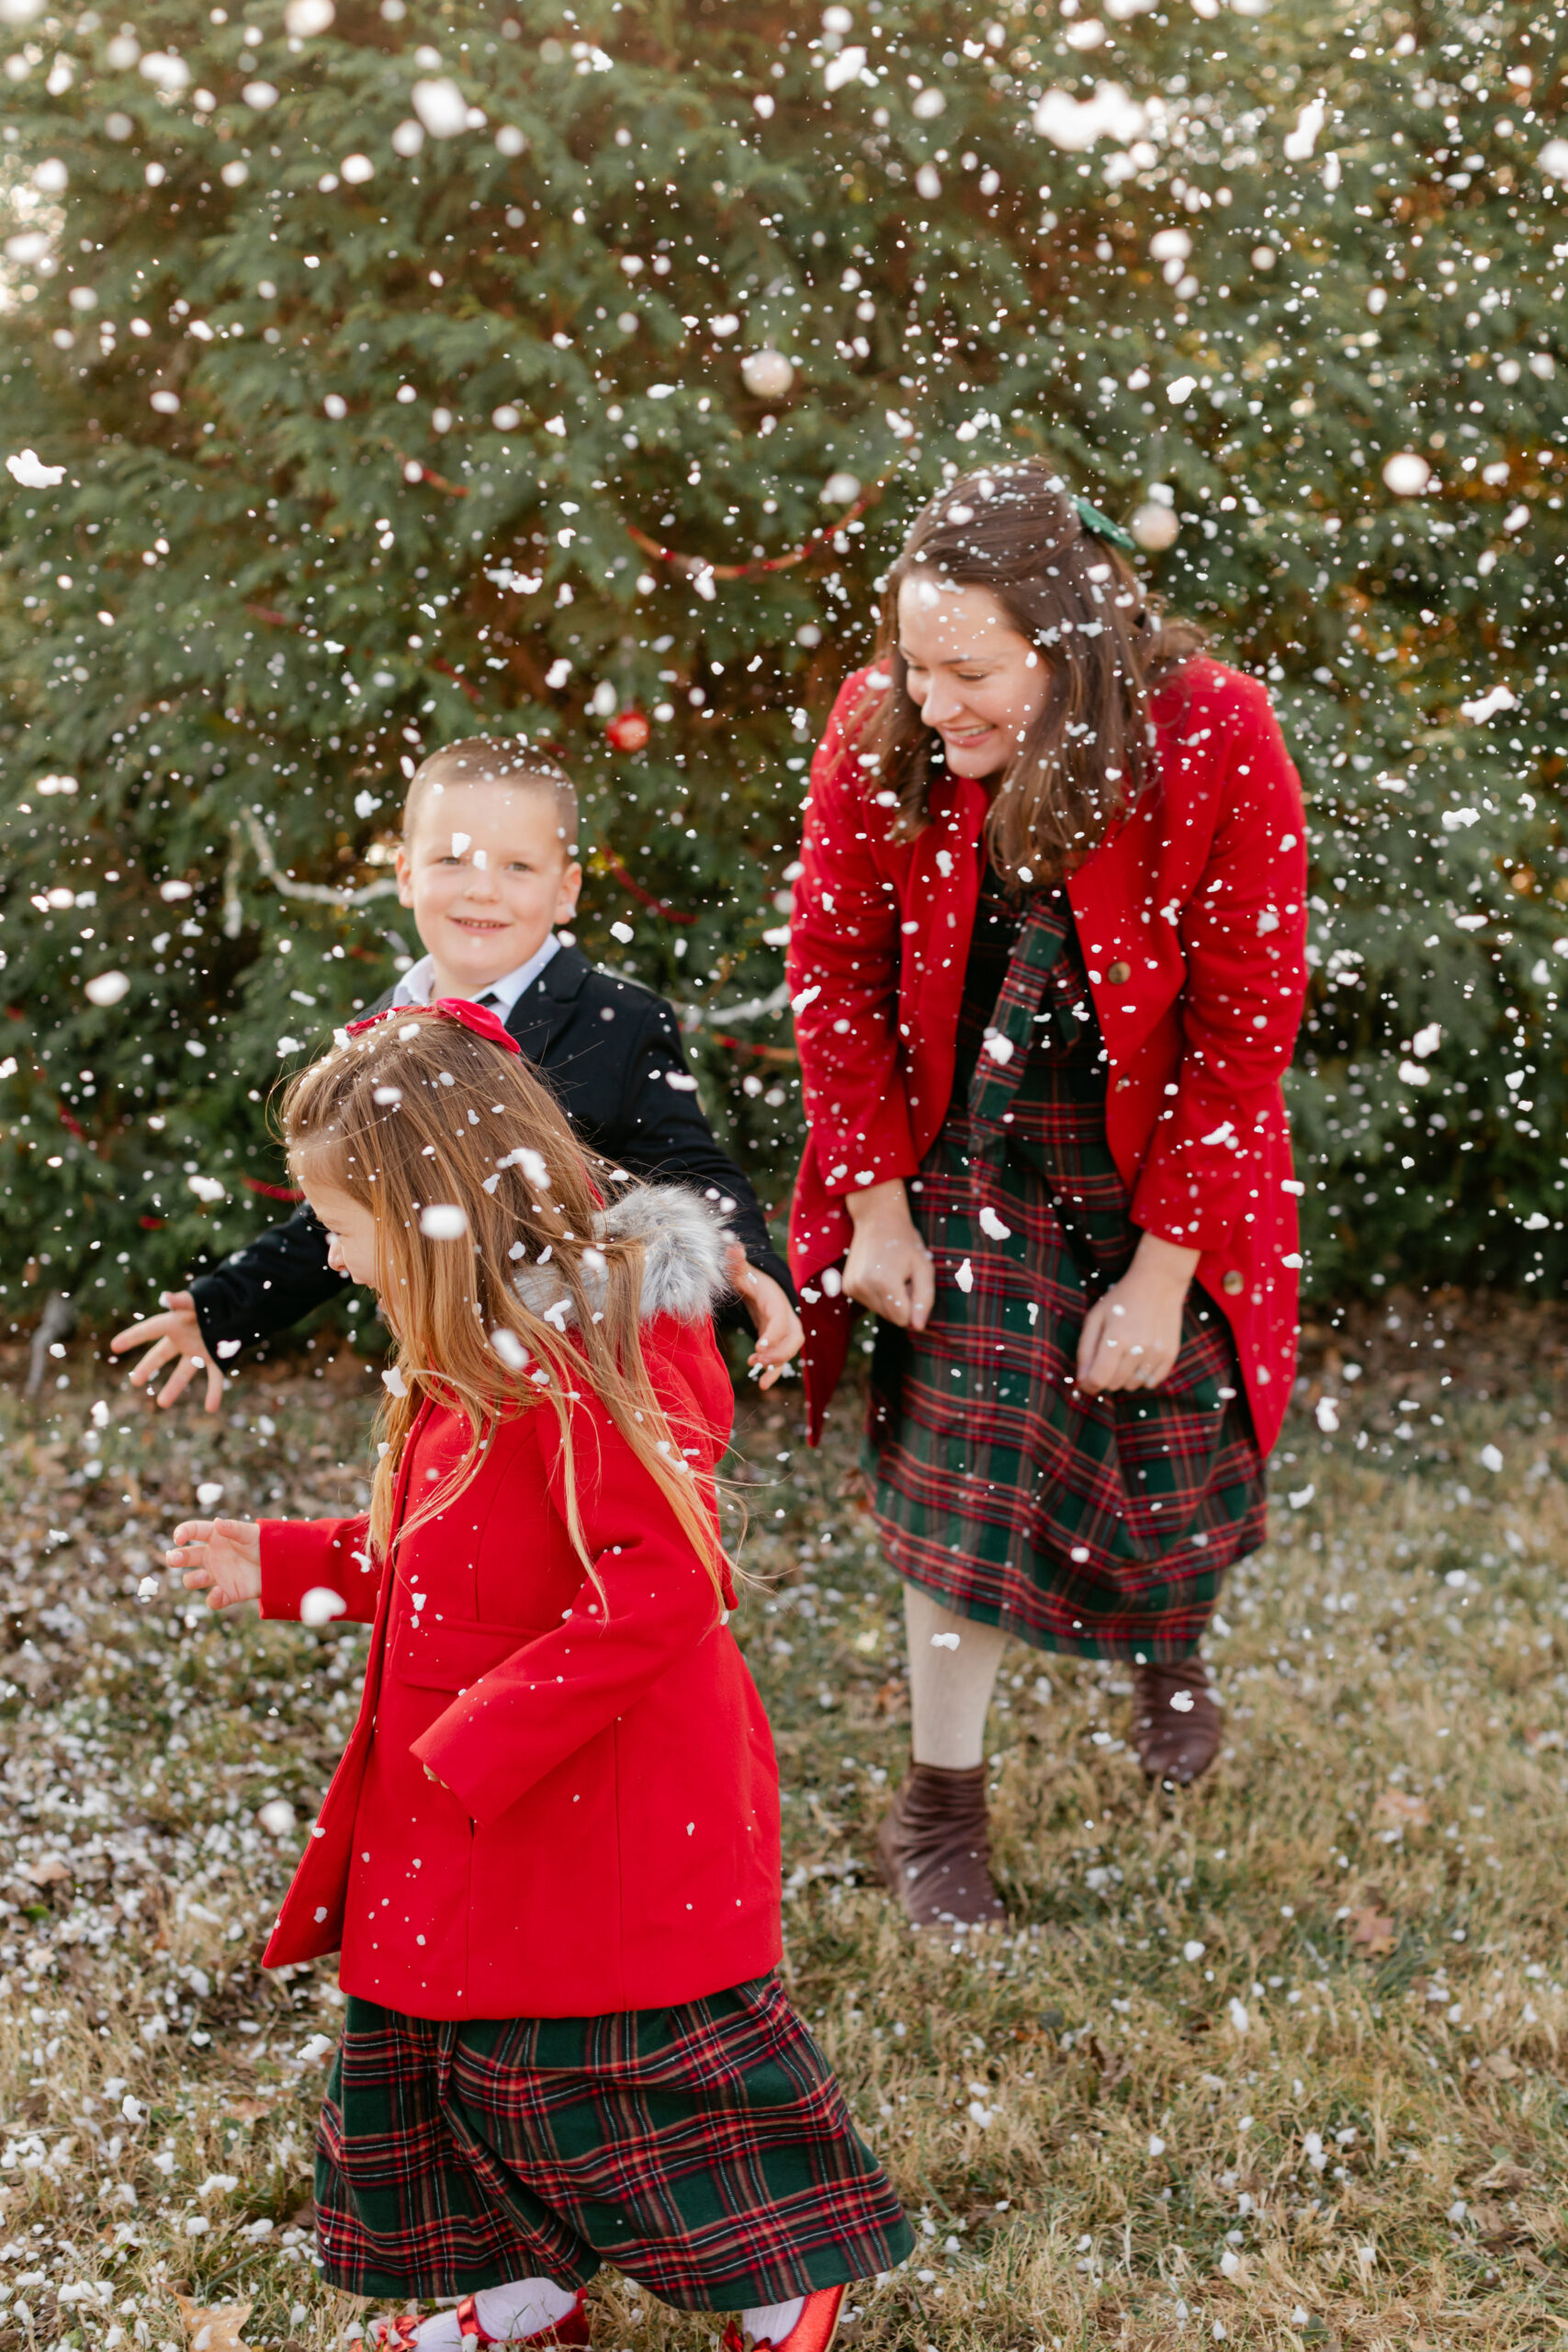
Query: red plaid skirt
{"x": 1098, "y": 1526}
{"x": 705, "y": 2150}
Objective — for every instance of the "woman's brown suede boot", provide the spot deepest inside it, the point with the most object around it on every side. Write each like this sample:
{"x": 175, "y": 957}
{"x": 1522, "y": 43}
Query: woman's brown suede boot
{"x": 1177, "y": 1726}
{"x": 935, "y": 1849}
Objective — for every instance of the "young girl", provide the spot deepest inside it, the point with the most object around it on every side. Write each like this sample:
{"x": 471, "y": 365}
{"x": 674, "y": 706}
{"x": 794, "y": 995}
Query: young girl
{"x": 549, "y": 1855}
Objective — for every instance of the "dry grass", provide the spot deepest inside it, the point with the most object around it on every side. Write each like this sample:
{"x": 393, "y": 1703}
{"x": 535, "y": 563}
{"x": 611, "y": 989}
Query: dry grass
{"x": 1278, "y": 2058}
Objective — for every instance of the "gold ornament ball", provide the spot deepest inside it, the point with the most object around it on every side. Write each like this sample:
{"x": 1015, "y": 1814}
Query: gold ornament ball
{"x": 767, "y": 375}
{"x": 1155, "y": 526}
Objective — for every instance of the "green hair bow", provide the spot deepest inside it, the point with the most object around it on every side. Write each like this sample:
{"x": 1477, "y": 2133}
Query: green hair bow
{"x": 1104, "y": 528}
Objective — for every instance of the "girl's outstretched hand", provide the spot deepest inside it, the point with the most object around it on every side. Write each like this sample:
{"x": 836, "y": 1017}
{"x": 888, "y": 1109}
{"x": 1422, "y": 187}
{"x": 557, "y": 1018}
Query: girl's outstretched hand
{"x": 220, "y": 1557}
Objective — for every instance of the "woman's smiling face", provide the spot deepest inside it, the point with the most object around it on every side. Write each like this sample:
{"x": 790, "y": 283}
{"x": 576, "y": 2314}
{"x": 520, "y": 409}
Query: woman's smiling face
{"x": 975, "y": 679}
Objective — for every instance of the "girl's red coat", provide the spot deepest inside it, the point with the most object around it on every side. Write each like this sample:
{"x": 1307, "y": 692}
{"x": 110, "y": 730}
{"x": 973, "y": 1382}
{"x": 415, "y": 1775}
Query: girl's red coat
{"x": 1193, "y": 918}
{"x": 608, "y": 1837}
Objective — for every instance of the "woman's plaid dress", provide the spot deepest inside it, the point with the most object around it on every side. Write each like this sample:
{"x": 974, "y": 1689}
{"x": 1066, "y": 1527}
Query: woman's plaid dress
{"x": 1099, "y": 1525}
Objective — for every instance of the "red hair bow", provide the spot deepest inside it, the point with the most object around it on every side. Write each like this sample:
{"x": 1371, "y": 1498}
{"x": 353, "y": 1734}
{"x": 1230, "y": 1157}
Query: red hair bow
{"x": 478, "y": 1018}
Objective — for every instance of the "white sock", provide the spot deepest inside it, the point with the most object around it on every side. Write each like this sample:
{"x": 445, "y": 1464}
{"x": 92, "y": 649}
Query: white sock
{"x": 523, "y": 2307}
{"x": 771, "y": 2323}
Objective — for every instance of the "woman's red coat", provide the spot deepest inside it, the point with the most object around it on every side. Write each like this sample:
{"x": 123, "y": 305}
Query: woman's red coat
{"x": 1193, "y": 919}
{"x": 608, "y": 1835}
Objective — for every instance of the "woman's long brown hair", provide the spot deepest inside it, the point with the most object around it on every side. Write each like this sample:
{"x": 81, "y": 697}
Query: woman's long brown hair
{"x": 1016, "y": 530}
{"x": 472, "y": 1174}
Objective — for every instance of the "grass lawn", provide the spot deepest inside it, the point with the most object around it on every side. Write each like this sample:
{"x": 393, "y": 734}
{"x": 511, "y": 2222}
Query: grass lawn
{"x": 1281, "y": 2060}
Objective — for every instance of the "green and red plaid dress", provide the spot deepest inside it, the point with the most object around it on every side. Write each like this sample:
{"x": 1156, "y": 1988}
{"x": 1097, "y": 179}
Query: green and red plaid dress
{"x": 1098, "y": 1526}
{"x": 704, "y": 2149}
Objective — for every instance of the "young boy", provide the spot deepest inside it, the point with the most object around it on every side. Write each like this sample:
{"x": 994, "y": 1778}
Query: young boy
{"x": 488, "y": 864}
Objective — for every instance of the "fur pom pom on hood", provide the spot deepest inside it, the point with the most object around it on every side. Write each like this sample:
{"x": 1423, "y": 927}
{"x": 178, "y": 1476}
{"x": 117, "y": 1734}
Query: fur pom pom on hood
{"x": 684, "y": 1249}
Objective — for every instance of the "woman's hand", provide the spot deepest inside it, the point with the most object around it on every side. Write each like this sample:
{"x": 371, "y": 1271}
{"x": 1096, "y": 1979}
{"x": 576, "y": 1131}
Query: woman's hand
{"x": 222, "y": 1557}
{"x": 779, "y": 1336}
{"x": 889, "y": 1268}
{"x": 1131, "y": 1336}
{"x": 173, "y": 1338}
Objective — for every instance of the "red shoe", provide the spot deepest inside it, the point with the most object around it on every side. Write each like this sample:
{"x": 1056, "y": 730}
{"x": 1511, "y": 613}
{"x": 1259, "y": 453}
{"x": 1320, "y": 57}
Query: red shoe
{"x": 572, "y": 2329}
{"x": 812, "y": 2332}
{"x": 396, "y": 2334}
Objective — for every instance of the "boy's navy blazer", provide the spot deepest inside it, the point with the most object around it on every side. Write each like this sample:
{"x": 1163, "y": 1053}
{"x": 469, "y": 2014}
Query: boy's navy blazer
{"x": 610, "y": 1050}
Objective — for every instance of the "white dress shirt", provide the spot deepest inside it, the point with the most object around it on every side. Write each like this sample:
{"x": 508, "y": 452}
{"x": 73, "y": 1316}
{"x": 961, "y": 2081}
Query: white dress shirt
{"x": 502, "y": 995}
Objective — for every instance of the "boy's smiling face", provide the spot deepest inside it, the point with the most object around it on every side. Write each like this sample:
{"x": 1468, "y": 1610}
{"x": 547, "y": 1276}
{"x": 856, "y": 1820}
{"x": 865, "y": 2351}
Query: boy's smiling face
{"x": 488, "y": 877}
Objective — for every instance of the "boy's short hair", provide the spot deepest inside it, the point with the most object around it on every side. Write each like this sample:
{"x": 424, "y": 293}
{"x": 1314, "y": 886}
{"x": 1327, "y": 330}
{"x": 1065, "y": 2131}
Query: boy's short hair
{"x": 494, "y": 759}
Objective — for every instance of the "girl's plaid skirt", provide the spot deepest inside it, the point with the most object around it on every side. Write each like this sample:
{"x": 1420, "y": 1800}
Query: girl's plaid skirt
{"x": 1097, "y": 1525}
{"x": 705, "y": 2150}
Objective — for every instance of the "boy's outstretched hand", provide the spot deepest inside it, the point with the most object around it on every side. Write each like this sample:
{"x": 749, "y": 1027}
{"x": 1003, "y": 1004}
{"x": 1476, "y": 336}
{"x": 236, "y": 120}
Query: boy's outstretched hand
{"x": 174, "y": 1338}
{"x": 779, "y": 1336}
{"x": 221, "y": 1557}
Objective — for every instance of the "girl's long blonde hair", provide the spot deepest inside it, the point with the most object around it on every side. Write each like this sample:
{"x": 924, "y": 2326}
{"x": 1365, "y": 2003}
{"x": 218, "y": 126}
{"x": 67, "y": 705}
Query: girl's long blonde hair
{"x": 472, "y": 1174}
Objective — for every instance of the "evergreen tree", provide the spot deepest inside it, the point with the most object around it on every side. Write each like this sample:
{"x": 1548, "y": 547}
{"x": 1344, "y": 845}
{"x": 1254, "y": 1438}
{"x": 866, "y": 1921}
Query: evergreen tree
{"x": 398, "y": 373}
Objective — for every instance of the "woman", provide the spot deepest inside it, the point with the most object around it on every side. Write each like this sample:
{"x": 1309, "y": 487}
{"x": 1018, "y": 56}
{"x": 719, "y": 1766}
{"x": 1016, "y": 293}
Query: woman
{"x": 1048, "y": 964}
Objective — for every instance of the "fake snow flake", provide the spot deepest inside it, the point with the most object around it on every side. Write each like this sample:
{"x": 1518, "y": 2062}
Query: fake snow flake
{"x": 393, "y": 1381}
{"x": 999, "y": 1049}
{"x": 443, "y": 1221}
{"x": 28, "y": 469}
{"x": 510, "y": 1349}
{"x": 1237, "y": 2015}
{"x": 321, "y": 1605}
{"x": 990, "y": 1223}
{"x": 304, "y": 19}
{"x": 1327, "y": 1415}
{"x": 1486, "y": 705}
{"x": 964, "y": 1277}
{"x": 207, "y": 1188}
{"x": 1192, "y": 1949}
{"x": 945, "y": 1641}
{"x": 441, "y": 106}
{"x": 210, "y": 1494}
{"x": 1407, "y": 473}
{"x": 624, "y": 932}
{"x": 106, "y": 987}
{"x": 1302, "y": 1496}
{"x": 1490, "y": 1458}
{"x": 276, "y": 1816}
{"x": 1075, "y": 124}
{"x": 1300, "y": 142}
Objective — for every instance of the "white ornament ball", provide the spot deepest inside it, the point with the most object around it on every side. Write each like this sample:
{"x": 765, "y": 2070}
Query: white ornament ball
{"x": 1155, "y": 526}
{"x": 767, "y": 375}
{"x": 1407, "y": 473}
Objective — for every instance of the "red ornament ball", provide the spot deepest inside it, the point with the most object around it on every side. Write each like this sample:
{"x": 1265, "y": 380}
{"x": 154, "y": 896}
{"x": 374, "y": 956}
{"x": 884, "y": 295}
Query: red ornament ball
{"x": 629, "y": 730}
